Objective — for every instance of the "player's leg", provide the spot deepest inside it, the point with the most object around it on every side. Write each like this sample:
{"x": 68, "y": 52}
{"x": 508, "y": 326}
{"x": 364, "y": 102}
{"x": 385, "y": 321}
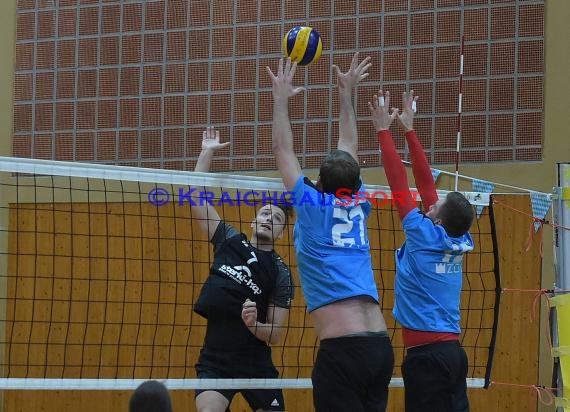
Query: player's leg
{"x": 367, "y": 367}
{"x": 262, "y": 399}
{"x": 460, "y": 400}
{"x": 378, "y": 360}
{"x": 431, "y": 376}
{"x": 336, "y": 386}
{"x": 265, "y": 400}
{"x": 212, "y": 401}
{"x": 424, "y": 383}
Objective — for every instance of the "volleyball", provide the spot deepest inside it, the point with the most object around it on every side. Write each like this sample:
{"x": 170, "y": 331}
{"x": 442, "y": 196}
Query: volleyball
{"x": 302, "y": 45}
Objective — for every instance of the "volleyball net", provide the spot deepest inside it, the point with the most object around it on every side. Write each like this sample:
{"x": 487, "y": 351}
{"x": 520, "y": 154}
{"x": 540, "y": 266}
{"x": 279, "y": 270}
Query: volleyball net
{"x": 101, "y": 267}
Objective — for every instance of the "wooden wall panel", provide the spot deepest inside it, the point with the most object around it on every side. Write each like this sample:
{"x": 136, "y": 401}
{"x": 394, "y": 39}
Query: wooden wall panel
{"x": 106, "y": 250}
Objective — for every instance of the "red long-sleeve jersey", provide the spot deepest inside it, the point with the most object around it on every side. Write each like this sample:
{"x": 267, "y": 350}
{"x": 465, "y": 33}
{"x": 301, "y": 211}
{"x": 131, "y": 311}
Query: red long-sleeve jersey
{"x": 397, "y": 177}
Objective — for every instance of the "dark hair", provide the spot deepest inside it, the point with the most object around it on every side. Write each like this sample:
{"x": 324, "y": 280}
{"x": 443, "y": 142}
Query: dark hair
{"x": 339, "y": 170}
{"x": 150, "y": 396}
{"x": 456, "y": 214}
{"x": 286, "y": 205}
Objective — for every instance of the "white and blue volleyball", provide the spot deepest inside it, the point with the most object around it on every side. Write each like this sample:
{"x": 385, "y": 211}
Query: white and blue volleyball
{"x": 302, "y": 45}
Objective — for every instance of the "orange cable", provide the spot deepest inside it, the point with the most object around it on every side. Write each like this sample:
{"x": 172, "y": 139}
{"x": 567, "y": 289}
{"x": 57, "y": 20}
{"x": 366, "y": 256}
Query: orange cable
{"x": 535, "y": 219}
{"x": 545, "y": 394}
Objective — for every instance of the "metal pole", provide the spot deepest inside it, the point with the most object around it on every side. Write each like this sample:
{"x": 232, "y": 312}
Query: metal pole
{"x": 561, "y": 208}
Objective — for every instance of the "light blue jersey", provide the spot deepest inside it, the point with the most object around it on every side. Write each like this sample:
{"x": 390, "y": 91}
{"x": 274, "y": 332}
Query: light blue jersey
{"x": 331, "y": 243}
{"x": 429, "y": 275}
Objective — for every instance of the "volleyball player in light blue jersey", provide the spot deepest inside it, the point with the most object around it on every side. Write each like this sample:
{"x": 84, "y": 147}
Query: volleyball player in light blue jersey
{"x": 355, "y": 359}
{"x": 429, "y": 271}
{"x": 331, "y": 242}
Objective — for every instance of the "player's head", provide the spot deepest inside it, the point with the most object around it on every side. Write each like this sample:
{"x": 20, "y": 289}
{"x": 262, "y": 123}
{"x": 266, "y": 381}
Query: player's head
{"x": 339, "y": 170}
{"x": 454, "y": 213}
{"x": 270, "y": 221}
{"x": 150, "y": 396}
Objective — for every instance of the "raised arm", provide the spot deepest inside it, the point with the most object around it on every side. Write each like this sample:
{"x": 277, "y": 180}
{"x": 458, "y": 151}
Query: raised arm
{"x": 347, "y": 133}
{"x": 393, "y": 166}
{"x": 282, "y": 135}
{"x": 206, "y": 215}
{"x": 420, "y": 166}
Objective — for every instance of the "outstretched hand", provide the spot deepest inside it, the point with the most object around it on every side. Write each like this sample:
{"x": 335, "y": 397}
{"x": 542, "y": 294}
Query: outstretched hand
{"x": 380, "y": 111}
{"x": 355, "y": 74}
{"x": 283, "y": 81}
{"x": 406, "y": 119}
{"x": 211, "y": 139}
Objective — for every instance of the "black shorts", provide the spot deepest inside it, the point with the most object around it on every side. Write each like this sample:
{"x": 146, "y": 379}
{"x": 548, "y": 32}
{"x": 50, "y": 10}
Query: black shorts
{"x": 352, "y": 373}
{"x": 435, "y": 378}
{"x": 220, "y": 366}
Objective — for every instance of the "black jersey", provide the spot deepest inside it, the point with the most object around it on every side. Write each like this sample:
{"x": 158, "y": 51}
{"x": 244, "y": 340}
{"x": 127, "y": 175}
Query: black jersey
{"x": 239, "y": 272}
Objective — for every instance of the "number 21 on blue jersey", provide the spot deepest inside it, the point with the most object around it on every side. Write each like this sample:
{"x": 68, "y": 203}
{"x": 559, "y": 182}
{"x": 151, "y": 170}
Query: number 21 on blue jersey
{"x": 351, "y": 231}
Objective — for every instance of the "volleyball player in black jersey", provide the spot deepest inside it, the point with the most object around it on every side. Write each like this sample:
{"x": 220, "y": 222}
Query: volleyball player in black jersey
{"x": 245, "y": 299}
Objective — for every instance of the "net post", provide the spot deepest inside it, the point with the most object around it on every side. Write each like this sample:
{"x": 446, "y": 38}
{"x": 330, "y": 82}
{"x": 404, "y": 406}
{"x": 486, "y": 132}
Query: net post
{"x": 498, "y": 292}
{"x": 561, "y": 208}
{"x": 5, "y": 198}
{"x": 8, "y": 19}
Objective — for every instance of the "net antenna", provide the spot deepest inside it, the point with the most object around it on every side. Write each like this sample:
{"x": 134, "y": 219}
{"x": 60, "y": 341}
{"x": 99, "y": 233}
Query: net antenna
{"x": 459, "y": 110}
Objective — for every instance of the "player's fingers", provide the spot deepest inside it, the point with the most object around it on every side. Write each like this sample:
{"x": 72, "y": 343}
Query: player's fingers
{"x": 407, "y": 102}
{"x": 335, "y": 69}
{"x": 269, "y": 72}
{"x": 415, "y": 101}
{"x": 365, "y": 62}
{"x": 354, "y": 62}
{"x": 293, "y": 69}
{"x": 387, "y": 98}
{"x": 287, "y": 68}
{"x": 365, "y": 67}
{"x": 298, "y": 90}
